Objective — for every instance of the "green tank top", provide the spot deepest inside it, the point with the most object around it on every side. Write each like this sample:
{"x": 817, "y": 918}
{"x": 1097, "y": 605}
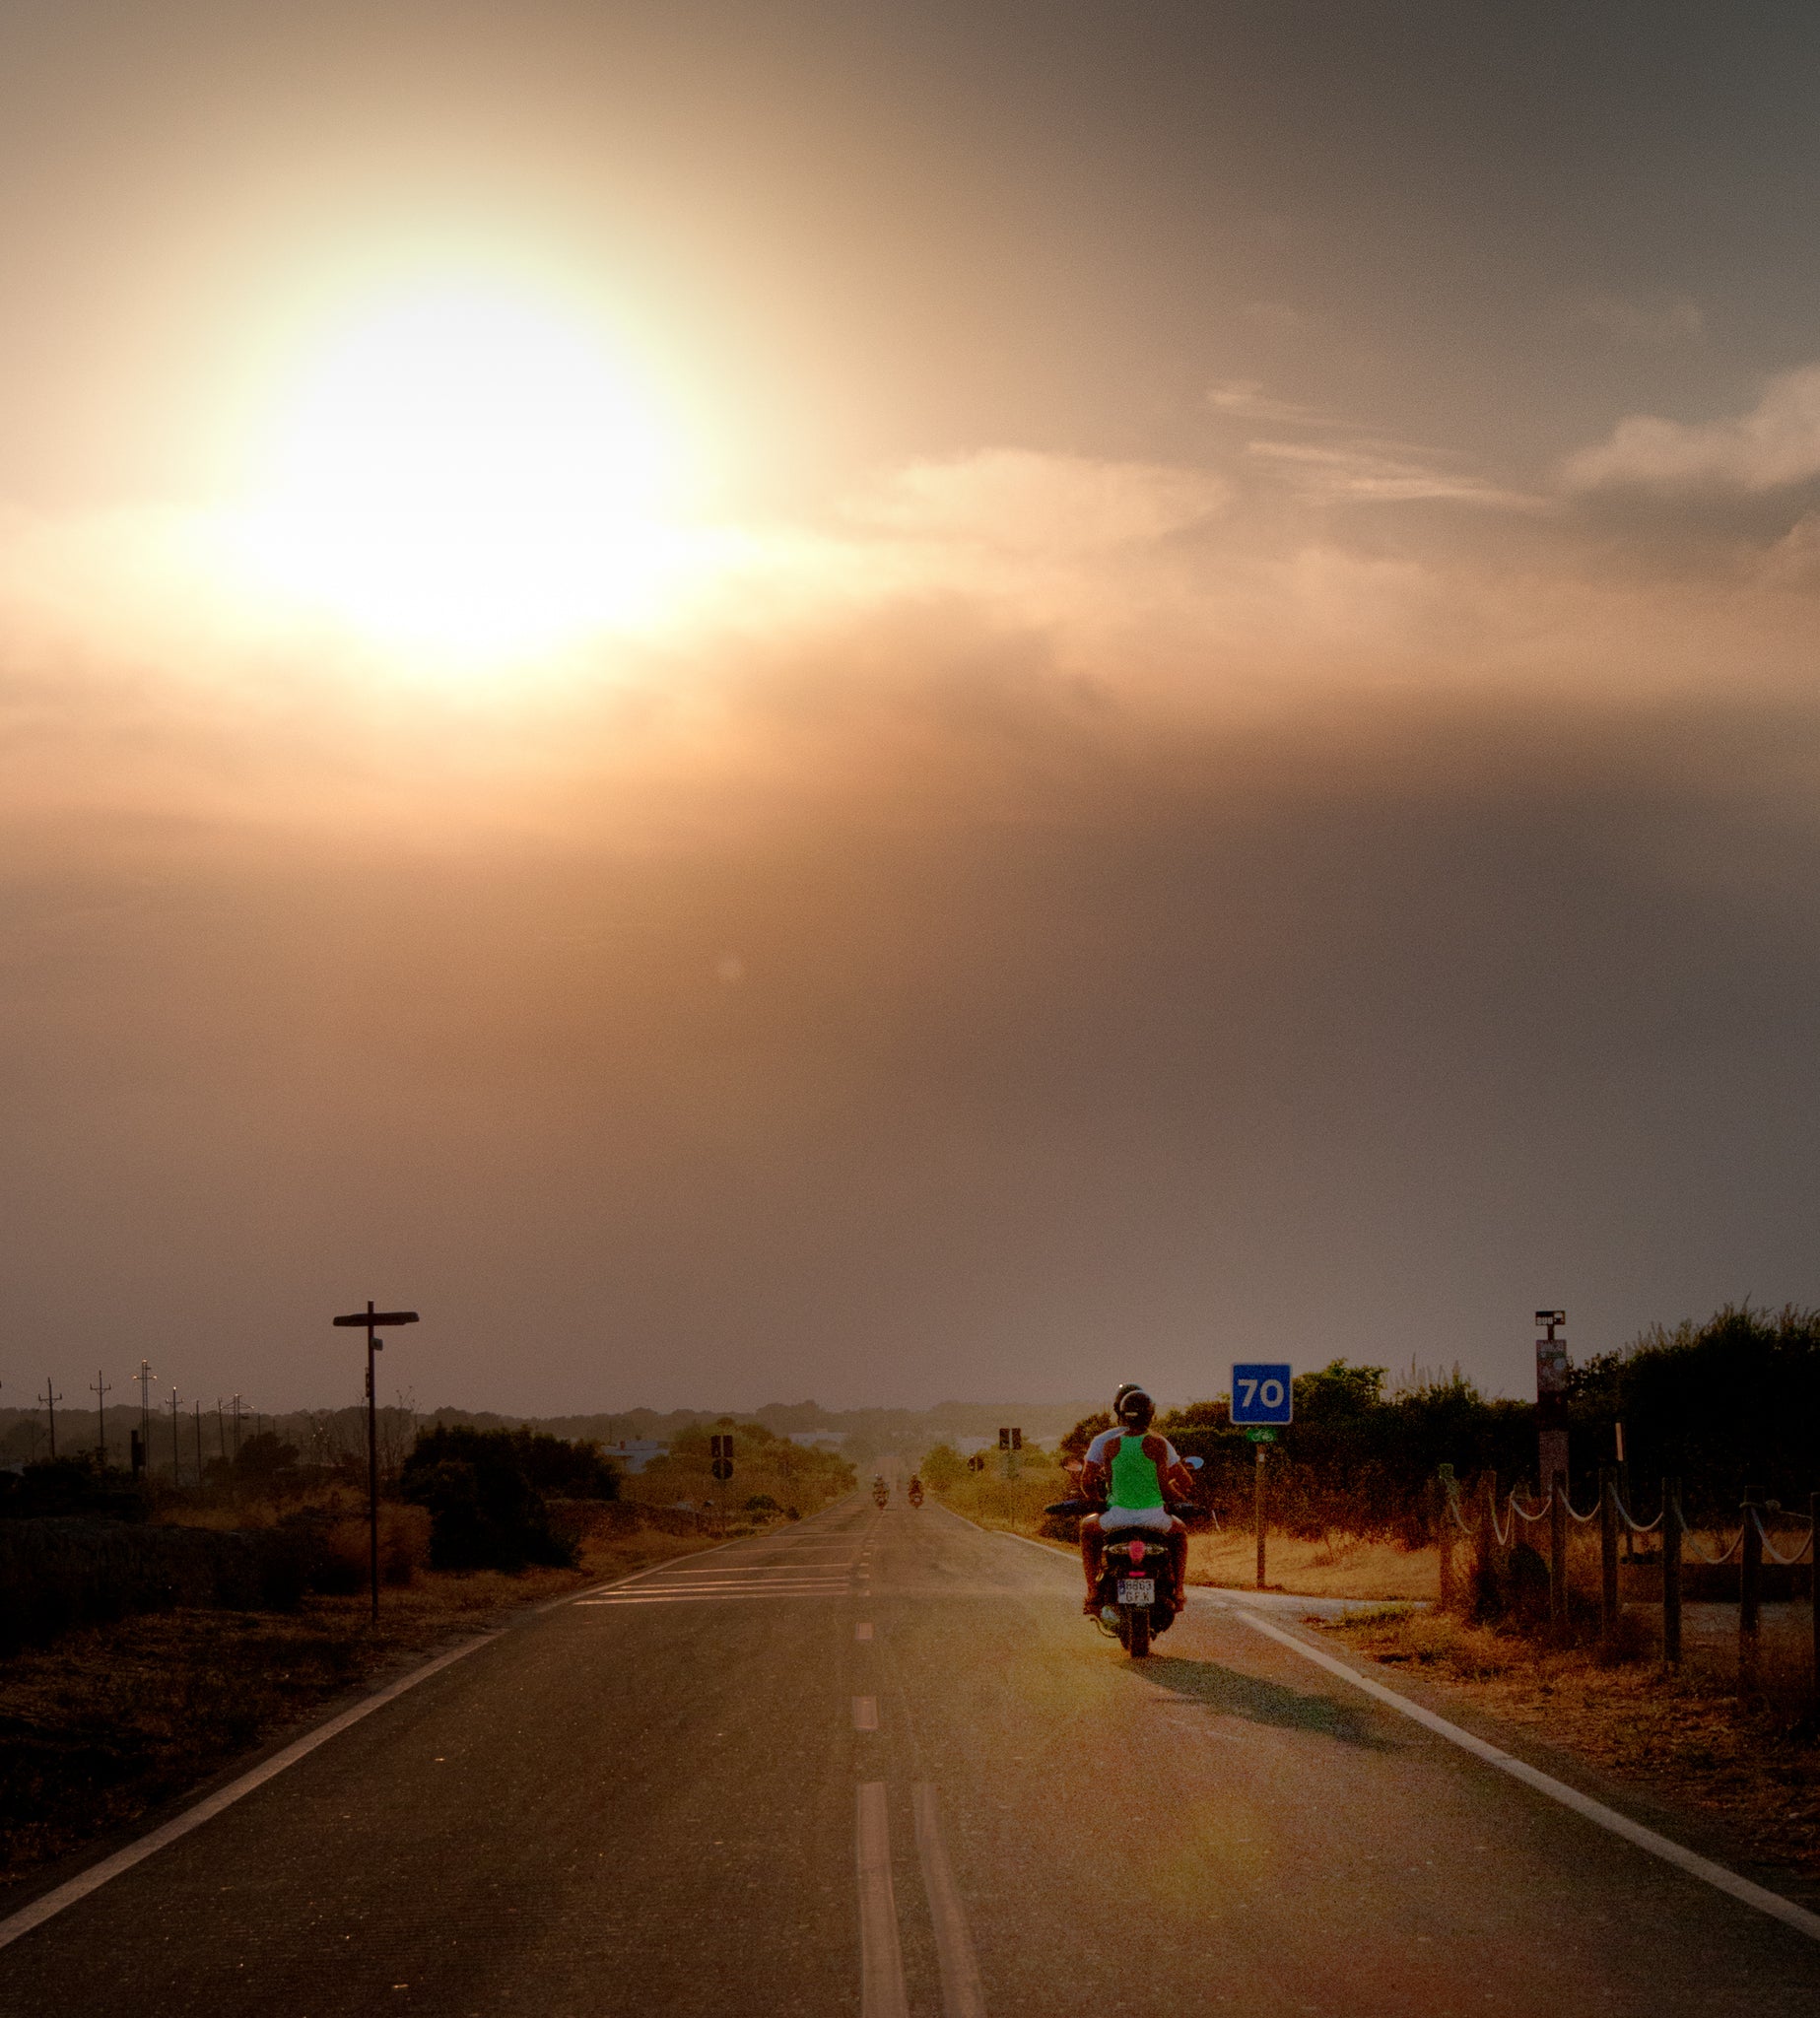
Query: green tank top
{"x": 1135, "y": 1482}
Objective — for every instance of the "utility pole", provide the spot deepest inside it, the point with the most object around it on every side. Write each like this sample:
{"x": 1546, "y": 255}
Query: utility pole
{"x": 51, "y": 1401}
{"x": 100, "y": 1390}
{"x": 374, "y": 1320}
{"x": 221, "y": 1429}
{"x": 145, "y": 1377}
{"x": 236, "y": 1429}
{"x": 177, "y": 1446}
{"x": 199, "y": 1439}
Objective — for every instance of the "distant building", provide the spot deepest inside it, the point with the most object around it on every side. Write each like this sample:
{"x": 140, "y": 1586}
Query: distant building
{"x": 634, "y": 1454}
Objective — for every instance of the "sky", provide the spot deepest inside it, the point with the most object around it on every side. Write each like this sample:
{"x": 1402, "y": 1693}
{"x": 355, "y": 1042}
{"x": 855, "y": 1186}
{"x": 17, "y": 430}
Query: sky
{"x": 891, "y": 704}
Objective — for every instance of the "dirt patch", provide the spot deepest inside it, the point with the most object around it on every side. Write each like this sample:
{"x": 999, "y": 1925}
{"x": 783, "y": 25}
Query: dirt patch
{"x": 1688, "y": 1741}
{"x": 106, "y": 1724}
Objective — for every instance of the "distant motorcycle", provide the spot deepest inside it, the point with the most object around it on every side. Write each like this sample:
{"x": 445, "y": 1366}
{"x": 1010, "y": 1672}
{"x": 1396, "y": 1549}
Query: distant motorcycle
{"x": 880, "y": 1494}
{"x": 915, "y": 1492}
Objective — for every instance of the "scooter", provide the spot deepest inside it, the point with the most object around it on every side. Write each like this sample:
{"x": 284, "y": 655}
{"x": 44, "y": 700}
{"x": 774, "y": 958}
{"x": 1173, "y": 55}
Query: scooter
{"x": 1137, "y": 1594}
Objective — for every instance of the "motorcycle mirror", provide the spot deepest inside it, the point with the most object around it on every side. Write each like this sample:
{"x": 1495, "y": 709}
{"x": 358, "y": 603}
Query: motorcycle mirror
{"x": 1195, "y": 1463}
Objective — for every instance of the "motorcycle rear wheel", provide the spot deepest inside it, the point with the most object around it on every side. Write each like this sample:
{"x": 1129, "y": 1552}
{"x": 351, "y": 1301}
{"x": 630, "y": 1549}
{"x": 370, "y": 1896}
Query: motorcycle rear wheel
{"x": 1137, "y": 1642}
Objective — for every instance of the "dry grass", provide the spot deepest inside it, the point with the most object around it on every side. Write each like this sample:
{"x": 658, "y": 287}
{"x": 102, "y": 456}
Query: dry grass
{"x": 1337, "y": 1565}
{"x": 1688, "y": 1741}
{"x": 110, "y": 1723}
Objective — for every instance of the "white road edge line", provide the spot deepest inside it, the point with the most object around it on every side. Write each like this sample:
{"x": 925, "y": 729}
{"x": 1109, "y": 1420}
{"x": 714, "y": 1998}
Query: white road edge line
{"x": 865, "y": 1712}
{"x": 881, "y": 1959}
{"x": 205, "y": 1810}
{"x": 962, "y": 1995}
{"x": 1683, "y": 1858}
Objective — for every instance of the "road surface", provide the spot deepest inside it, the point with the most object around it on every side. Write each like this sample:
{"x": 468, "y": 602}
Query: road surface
{"x": 878, "y": 1765}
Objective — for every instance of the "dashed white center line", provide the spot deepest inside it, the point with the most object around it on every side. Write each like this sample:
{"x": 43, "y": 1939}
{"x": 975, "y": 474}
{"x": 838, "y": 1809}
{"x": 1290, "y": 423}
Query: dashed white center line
{"x": 865, "y": 1712}
{"x": 863, "y": 1630}
{"x": 962, "y": 1995}
{"x": 881, "y": 1958}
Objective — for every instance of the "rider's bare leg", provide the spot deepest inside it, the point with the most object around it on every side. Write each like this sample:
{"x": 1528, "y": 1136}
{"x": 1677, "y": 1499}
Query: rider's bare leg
{"x": 1179, "y": 1561}
{"x": 1093, "y": 1556}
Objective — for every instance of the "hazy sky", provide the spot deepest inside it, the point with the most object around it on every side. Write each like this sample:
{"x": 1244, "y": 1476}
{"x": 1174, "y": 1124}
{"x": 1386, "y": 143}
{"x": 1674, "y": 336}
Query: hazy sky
{"x": 899, "y": 703}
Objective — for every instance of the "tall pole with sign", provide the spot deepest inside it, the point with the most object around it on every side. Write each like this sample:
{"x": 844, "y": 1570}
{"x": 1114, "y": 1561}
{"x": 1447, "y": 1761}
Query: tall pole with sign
{"x": 374, "y": 1320}
{"x": 1550, "y": 1399}
{"x": 1263, "y": 1401}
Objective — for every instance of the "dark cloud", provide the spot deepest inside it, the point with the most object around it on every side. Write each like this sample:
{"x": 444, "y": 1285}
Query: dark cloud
{"x": 1066, "y": 1038}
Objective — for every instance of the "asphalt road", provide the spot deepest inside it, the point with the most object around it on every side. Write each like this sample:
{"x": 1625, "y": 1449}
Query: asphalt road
{"x": 879, "y": 1765}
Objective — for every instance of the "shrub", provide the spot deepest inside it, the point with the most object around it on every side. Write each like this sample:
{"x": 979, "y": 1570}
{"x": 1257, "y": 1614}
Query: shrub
{"x": 485, "y": 1512}
{"x": 62, "y": 1488}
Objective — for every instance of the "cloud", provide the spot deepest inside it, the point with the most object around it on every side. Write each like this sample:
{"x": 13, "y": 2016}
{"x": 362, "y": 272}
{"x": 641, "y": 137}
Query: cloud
{"x": 1379, "y": 474}
{"x": 1026, "y": 502}
{"x": 1626, "y": 320}
{"x": 1244, "y": 399}
{"x": 1775, "y": 445}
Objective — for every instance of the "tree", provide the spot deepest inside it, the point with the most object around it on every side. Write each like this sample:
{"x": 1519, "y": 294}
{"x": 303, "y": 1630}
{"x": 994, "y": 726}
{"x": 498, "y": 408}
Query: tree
{"x": 485, "y": 1512}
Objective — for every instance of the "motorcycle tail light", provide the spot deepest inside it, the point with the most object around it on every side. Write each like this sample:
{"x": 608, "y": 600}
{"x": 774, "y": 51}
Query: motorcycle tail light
{"x": 1136, "y": 1551}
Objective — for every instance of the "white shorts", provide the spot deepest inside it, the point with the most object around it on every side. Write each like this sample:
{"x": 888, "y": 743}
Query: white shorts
{"x": 1157, "y": 1518}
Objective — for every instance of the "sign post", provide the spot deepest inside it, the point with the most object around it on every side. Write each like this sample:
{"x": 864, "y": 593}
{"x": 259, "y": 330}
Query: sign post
{"x": 374, "y": 1320}
{"x": 1550, "y": 1399}
{"x": 1263, "y": 1401}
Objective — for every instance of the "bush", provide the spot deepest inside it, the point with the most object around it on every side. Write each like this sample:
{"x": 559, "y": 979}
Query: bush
{"x": 64, "y": 1488}
{"x": 56, "y": 1574}
{"x": 485, "y": 1512}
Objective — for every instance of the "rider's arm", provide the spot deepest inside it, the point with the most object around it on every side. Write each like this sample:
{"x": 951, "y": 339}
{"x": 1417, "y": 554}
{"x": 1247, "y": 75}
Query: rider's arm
{"x": 1094, "y": 1482}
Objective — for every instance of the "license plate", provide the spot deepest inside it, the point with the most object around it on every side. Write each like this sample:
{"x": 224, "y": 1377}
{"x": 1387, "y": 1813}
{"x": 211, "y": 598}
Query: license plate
{"x": 1137, "y": 1590}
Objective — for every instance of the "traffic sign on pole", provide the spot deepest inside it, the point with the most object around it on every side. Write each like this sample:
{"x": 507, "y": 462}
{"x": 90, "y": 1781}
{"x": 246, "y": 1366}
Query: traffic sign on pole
{"x": 1264, "y": 1391}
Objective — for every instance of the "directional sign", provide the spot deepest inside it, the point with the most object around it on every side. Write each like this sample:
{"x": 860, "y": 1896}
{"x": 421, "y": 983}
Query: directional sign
{"x": 1262, "y": 1392}
{"x": 1260, "y": 1436}
{"x": 378, "y": 1319}
{"x": 720, "y": 1450}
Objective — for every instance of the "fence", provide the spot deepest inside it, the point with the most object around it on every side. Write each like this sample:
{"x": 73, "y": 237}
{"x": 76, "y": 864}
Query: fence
{"x": 1496, "y": 1540}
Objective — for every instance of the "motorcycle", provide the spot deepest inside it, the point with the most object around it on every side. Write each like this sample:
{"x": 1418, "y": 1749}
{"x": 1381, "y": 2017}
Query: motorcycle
{"x": 880, "y": 1494}
{"x": 1137, "y": 1594}
{"x": 916, "y": 1494}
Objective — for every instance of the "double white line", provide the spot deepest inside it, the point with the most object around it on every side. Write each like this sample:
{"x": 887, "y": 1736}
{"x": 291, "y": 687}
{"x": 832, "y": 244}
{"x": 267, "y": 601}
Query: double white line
{"x": 881, "y": 1956}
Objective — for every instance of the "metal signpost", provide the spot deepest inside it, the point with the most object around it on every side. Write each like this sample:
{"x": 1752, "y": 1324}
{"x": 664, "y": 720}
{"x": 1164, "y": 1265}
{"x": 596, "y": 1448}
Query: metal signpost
{"x": 1551, "y": 1400}
{"x": 1010, "y": 1442}
{"x": 1263, "y": 1401}
{"x": 375, "y": 1320}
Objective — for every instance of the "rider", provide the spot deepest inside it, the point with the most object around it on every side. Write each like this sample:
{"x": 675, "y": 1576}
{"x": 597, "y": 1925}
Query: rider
{"x": 1134, "y": 1473}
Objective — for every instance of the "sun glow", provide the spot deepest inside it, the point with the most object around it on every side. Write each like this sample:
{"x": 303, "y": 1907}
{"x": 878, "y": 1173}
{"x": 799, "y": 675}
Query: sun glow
{"x": 469, "y": 472}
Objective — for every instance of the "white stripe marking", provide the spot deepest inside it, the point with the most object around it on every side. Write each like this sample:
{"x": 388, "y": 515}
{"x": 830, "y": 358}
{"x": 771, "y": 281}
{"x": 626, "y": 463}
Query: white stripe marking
{"x": 1697, "y": 1866}
{"x": 881, "y": 1959}
{"x": 698, "y": 1597}
{"x": 865, "y": 1712}
{"x": 962, "y": 1995}
{"x": 96, "y": 1875}
{"x": 862, "y": 1632}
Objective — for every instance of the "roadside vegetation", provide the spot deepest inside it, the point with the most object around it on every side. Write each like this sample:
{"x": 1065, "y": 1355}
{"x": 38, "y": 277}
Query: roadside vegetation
{"x": 150, "y": 1638}
{"x": 772, "y": 1475}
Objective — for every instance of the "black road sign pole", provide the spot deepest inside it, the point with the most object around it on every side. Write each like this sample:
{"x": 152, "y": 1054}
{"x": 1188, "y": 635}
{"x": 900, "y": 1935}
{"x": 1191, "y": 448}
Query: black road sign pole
{"x": 372, "y": 1320}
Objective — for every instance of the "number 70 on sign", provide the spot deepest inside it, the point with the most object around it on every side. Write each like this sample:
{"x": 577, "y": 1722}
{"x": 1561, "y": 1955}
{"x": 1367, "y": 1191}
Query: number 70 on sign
{"x": 1264, "y": 1391}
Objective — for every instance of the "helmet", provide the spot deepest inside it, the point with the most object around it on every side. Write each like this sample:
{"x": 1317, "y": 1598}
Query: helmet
{"x": 1133, "y": 1407}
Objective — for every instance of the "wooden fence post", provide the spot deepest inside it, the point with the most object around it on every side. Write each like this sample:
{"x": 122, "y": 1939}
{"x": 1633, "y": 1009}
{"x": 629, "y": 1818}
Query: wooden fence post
{"x": 1488, "y": 1584}
{"x": 1608, "y": 1550}
{"x": 1813, "y": 1596}
{"x": 1750, "y": 1595}
{"x": 1671, "y": 1573}
{"x": 1444, "y": 1535}
{"x": 1557, "y": 1556}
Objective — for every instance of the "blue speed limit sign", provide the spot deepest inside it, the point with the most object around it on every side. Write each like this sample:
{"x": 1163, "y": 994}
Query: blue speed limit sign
{"x": 1262, "y": 1392}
